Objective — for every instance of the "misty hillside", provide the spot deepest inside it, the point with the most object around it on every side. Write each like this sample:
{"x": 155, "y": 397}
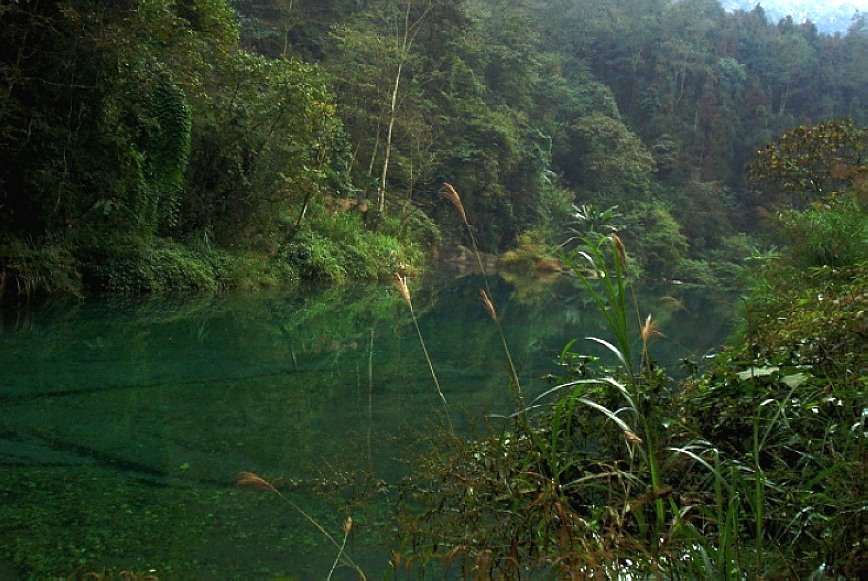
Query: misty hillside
{"x": 829, "y": 16}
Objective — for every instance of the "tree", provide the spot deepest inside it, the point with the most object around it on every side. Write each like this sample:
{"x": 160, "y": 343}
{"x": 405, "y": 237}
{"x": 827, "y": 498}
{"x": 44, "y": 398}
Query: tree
{"x": 374, "y": 54}
{"x": 266, "y": 142}
{"x": 603, "y": 156}
{"x": 814, "y": 162}
{"x": 96, "y": 128}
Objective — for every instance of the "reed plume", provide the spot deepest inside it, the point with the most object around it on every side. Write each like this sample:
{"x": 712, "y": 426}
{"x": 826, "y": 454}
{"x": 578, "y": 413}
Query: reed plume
{"x": 400, "y": 283}
{"x": 452, "y": 195}
{"x": 619, "y": 247}
{"x": 489, "y": 306}
{"x": 649, "y": 329}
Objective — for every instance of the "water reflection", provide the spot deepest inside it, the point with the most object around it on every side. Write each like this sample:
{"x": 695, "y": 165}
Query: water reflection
{"x": 123, "y": 422}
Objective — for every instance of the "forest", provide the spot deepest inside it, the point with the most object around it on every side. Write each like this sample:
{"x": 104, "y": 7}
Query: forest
{"x": 156, "y": 147}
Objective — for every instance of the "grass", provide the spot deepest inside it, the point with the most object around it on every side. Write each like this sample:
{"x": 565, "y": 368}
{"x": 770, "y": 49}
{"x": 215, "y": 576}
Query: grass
{"x": 739, "y": 471}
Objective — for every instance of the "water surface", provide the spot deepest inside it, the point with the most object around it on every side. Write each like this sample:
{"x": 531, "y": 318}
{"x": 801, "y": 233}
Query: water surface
{"x": 123, "y": 423}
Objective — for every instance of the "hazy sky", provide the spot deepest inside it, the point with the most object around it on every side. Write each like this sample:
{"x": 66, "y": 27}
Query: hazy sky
{"x": 859, "y": 4}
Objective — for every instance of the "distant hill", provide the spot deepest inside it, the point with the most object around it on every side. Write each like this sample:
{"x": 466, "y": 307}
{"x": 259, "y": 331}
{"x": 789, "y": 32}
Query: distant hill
{"x": 830, "y": 16}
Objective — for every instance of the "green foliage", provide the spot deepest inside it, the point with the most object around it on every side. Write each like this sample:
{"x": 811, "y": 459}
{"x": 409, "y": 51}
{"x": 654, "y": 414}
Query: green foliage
{"x": 655, "y": 238}
{"x": 765, "y": 449}
{"x": 28, "y": 272}
{"x": 750, "y": 469}
{"x": 337, "y": 247}
{"x": 262, "y": 149}
{"x": 607, "y": 158}
{"x": 796, "y": 382}
{"x": 833, "y": 233}
{"x": 168, "y": 151}
{"x": 118, "y": 161}
{"x": 726, "y": 266}
{"x": 534, "y": 255}
{"x": 130, "y": 267}
{"x": 147, "y": 118}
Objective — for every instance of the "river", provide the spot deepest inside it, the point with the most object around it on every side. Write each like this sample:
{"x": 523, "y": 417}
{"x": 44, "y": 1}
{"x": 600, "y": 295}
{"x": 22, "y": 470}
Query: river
{"x": 124, "y": 422}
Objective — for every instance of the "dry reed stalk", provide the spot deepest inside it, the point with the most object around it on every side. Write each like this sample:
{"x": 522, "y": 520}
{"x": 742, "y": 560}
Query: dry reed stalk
{"x": 451, "y": 194}
{"x": 400, "y": 283}
{"x": 253, "y": 480}
{"x": 347, "y": 527}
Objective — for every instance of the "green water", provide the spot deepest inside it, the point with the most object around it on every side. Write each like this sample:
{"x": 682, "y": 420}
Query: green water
{"x": 123, "y": 423}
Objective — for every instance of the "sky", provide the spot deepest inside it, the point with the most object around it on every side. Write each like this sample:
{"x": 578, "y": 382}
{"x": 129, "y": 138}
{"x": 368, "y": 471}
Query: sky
{"x": 859, "y": 4}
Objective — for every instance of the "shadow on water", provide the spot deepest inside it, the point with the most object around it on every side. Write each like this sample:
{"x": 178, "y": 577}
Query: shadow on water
{"x": 123, "y": 423}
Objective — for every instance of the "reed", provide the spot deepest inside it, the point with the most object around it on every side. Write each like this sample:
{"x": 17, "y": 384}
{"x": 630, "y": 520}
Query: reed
{"x": 256, "y": 482}
{"x": 608, "y": 289}
{"x": 451, "y": 194}
{"x": 400, "y": 283}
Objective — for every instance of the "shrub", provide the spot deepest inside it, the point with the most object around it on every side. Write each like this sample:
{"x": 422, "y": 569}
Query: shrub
{"x": 833, "y": 232}
{"x": 138, "y": 268}
{"x": 28, "y": 271}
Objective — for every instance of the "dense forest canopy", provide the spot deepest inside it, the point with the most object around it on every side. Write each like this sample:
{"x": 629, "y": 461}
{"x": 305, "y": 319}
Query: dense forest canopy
{"x": 150, "y": 144}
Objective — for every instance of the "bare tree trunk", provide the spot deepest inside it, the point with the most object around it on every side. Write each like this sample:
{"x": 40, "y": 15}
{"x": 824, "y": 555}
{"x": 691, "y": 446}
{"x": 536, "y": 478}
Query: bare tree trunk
{"x": 287, "y": 27}
{"x": 405, "y": 42}
{"x": 381, "y": 191}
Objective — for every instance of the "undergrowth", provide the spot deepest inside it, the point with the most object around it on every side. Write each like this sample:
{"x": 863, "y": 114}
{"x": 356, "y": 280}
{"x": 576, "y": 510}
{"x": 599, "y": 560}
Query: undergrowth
{"x": 754, "y": 468}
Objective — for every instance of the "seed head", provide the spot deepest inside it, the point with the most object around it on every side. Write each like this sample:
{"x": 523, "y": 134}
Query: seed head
{"x": 632, "y": 438}
{"x": 253, "y": 481}
{"x": 649, "y": 329}
{"x": 489, "y": 306}
{"x": 400, "y": 283}
{"x": 450, "y": 194}
{"x": 619, "y": 247}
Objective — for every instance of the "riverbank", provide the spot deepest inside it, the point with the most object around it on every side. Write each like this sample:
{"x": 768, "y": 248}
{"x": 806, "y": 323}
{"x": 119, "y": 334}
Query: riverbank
{"x": 334, "y": 248}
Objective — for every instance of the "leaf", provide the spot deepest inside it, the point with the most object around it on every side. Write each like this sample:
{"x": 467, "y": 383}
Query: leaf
{"x": 614, "y": 350}
{"x": 795, "y": 380}
{"x": 757, "y": 372}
